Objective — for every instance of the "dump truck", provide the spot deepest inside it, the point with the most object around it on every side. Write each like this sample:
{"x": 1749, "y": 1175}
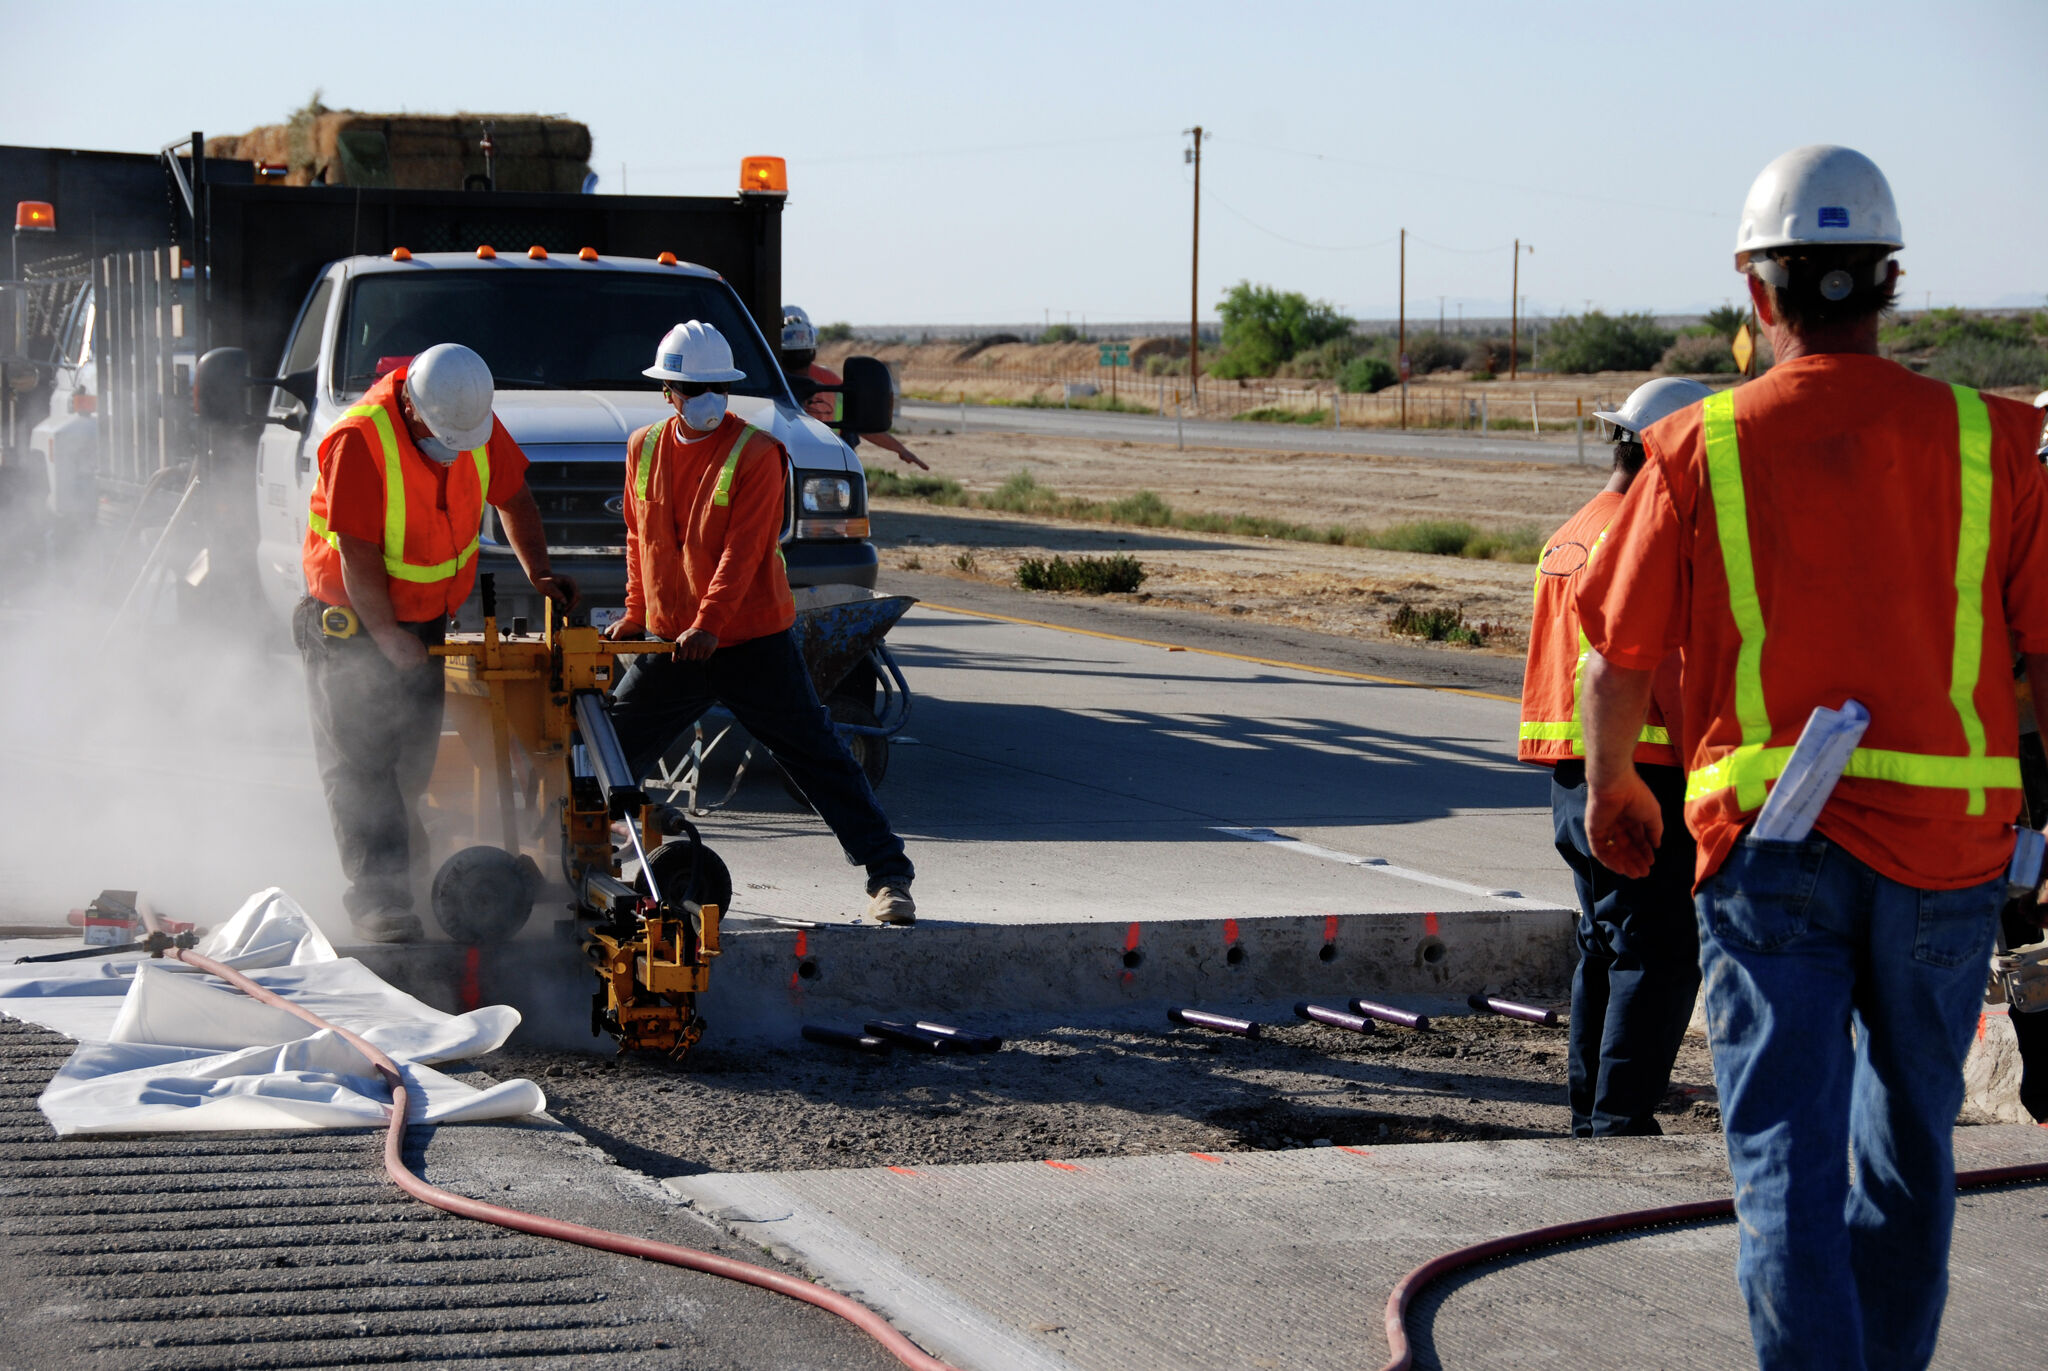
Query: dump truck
{"x": 219, "y": 356}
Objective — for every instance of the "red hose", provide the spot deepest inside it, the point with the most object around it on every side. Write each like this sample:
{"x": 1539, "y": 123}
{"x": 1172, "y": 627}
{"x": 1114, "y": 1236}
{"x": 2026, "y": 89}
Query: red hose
{"x": 1413, "y": 1283}
{"x": 861, "y": 1317}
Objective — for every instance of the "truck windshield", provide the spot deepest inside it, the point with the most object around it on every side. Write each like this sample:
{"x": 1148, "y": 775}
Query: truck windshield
{"x": 576, "y": 330}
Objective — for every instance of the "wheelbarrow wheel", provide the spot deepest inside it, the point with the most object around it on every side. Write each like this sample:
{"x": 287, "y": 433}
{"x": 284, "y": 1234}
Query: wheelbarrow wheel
{"x": 870, "y": 751}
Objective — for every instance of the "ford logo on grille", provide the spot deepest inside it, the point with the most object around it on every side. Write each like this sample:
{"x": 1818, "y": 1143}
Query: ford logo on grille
{"x": 616, "y": 505}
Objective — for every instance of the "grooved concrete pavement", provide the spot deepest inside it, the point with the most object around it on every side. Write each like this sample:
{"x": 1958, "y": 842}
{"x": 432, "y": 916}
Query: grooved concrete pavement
{"x": 281, "y": 1250}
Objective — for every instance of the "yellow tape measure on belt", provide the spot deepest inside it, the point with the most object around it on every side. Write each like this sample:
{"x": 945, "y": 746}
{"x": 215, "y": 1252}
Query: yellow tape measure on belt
{"x": 339, "y": 621}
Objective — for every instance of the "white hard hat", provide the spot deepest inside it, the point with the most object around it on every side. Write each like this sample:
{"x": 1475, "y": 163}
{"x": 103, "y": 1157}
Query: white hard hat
{"x": 451, "y": 389}
{"x": 2041, "y": 400}
{"x": 1649, "y": 402}
{"x": 798, "y": 334}
{"x": 1819, "y": 194}
{"x": 694, "y": 351}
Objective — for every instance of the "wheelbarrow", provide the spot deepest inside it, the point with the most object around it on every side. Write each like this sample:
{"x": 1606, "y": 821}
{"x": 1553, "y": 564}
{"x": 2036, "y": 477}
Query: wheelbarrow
{"x": 839, "y": 629}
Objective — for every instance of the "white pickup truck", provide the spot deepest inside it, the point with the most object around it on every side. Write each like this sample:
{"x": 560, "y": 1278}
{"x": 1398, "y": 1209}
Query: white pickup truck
{"x": 566, "y": 337}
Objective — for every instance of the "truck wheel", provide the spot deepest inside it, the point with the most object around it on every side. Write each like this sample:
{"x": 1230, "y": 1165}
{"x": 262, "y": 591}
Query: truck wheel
{"x": 871, "y": 752}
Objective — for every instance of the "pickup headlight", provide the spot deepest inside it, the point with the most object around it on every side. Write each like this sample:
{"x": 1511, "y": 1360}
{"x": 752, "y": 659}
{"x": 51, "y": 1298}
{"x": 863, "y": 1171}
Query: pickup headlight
{"x": 827, "y": 495}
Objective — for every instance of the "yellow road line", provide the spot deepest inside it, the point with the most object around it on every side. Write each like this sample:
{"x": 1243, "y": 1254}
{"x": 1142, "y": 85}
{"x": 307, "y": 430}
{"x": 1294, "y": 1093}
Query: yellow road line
{"x": 1232, "y": 656}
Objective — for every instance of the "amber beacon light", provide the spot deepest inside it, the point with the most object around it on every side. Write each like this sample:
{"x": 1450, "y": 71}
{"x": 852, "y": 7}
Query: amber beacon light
{"x": 764, "y": 176}
{"x": 41, "y": 214}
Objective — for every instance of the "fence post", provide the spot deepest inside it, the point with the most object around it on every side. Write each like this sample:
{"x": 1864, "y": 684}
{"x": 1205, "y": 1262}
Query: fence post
{"x": 1535, "y": 419}
{"x": 963, "y": 411}
{"x": 1579, "y": 429}
{"x": 1485, "y": 421}
{"x": 1179, "y": 436}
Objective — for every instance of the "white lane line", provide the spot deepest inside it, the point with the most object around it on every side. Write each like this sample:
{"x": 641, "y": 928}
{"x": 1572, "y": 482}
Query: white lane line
{"x": 1383, "y": 867}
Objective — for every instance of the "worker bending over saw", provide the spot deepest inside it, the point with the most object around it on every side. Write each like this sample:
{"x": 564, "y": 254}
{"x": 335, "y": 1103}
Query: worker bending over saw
{"x": 1840, "y": 532}
{"x": 1639, "y": 952}
{"x": 390, "y": 553}
{"x": 706, "y": 496}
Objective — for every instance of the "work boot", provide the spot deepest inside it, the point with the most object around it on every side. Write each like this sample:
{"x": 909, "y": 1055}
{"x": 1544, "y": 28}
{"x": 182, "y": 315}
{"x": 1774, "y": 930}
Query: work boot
{"x": 891, "y": 904}
{"x": 387, "y": 925}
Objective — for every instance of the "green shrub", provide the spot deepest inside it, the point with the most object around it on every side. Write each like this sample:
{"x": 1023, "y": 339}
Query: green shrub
{"x": 1443, "y": 537}
{"x": 1986, "y": 362}
{"x": 1116, "y": 575}
{"x": 1060, "y": 333}
{"x": 1523, "y": 543}
{"x": 1280, "y": 414}
{"x": 1429, "y": 352}
{"x": 1942, "y": 328}
{"x": 1021, "y": 494}
{"x": 1698, "y": 355}
{"x": 841, "y": 332}
{"x": 937, "y": 490}
{"x": 1144, "y": 509}
{"x": 1367, "y": 375}
{"x": 1264, "y": 327}
{"x": 1435, "y": 625}
{"x": 1603, "y": 342}
{"x": 1723, "y": 322}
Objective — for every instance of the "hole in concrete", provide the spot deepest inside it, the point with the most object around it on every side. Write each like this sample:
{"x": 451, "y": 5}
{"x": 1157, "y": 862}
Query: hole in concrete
{"x": 1432, "y": 952}
{"x": 807, "y": 969}
{"x": 1328, "y": 953}
{"x": 1132, "y": 958}
{"x": 1235, "y": 956}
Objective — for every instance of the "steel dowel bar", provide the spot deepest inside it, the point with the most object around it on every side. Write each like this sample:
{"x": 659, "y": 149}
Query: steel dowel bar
{"x": 1386, "y": 1013}
{"x": 1335, "y": 1018}
{"x": 970, "y": 1042}
{"x": 904, "y": 1035}
{"x": 840, "y": 1037}
{"x": 1528, "y": 1013}
{"x": 1218, "y": 1023}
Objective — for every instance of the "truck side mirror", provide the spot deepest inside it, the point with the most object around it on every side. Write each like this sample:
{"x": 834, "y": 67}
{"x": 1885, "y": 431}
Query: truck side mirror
{"x": 870, "y": 399}
{"x": 300, "y": 385}
{"x": 220, "y": 386}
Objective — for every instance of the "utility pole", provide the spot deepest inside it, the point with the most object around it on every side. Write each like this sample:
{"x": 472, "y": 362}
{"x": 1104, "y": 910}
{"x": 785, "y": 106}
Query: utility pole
{"x": 1439, "y": 316}
{"x": 1193, "y": 154}
{"x": 1401, "y": 331}
{"x": 1515, "y": 314}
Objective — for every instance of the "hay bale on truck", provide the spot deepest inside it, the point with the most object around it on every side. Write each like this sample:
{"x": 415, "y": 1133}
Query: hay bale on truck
{"x": 530, "y": 152}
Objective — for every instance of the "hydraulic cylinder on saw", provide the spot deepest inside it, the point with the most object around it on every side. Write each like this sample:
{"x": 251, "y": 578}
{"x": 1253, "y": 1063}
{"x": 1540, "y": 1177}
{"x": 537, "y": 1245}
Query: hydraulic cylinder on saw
{"x": 532, "y": 745}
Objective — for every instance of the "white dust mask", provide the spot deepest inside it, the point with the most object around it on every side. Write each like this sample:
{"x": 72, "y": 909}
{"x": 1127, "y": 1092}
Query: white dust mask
{"x": 704, "y": 412}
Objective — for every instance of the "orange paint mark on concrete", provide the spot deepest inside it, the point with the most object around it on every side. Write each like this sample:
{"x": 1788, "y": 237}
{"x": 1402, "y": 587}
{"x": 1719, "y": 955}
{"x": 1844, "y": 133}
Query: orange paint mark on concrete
{"x": 1205, "y": 1157}
{"x": 903, "y": 1171}
{"x": 1062, "y": 1166}
{"x": 1429, "y": 924}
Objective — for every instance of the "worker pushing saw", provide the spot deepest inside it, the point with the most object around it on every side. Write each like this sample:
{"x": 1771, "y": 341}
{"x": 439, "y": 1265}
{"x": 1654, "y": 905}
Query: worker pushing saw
{"x": 1840, "y": 542}
{"x": 1638, "y": 968}
{"x": 706, "y": 499}
{"x": 390, "y": 553}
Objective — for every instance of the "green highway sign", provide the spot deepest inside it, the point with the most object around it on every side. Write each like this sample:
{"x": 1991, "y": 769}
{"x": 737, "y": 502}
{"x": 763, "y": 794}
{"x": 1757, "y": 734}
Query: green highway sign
{"x": 1113, "y": 354}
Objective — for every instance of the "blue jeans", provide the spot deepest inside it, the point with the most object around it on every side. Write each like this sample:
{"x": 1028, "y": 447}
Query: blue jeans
{"x": 764, "y": 684}
{"x": 1840, "y": 1004}
{"x": 1639, "y": 963}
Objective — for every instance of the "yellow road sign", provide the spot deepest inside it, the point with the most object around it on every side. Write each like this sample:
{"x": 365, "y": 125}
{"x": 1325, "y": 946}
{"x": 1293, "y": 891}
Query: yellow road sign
{"x": 1744, "y": 349}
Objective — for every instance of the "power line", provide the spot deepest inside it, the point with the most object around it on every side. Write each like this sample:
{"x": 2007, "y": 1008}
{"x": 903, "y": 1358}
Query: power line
{"x": 981, "y": 150}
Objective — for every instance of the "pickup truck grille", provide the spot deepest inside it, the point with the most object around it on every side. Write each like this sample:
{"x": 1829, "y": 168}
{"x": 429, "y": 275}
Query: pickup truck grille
{"x": 573, "y": 497}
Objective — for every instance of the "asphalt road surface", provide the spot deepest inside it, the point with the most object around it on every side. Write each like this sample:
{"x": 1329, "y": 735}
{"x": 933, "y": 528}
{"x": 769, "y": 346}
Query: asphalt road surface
{"x": 916, "y": 417}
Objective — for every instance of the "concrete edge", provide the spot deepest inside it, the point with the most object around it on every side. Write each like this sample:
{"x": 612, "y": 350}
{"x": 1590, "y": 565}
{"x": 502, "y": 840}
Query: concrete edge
{"x": 768, "y": 981}
{"x": 945, "y": 1323}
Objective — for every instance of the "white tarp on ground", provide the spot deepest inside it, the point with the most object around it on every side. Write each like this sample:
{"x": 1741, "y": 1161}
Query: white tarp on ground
{"x": 165, "y": 1049}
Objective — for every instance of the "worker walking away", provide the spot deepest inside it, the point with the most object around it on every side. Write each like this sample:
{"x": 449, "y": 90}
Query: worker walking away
{"x": 706, "y": 501}
{"x": 391, "y": 543}
{"x": 1839, "y": 529}
{"x": 1638, "y": 970}
{"x": 2023, "y": 918}
{"x": 799, "y": 356}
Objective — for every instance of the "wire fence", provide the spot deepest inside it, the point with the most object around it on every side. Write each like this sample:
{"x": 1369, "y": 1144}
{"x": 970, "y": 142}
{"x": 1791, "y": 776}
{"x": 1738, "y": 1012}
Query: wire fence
{"x": 1540, "y": 406}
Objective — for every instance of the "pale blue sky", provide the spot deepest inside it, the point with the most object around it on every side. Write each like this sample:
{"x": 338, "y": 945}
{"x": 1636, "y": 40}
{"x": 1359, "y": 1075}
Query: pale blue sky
{"x": 979, "y": 163}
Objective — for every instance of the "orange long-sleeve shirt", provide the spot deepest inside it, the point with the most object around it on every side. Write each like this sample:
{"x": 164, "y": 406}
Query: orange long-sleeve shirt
{"x": 694, "y": 561}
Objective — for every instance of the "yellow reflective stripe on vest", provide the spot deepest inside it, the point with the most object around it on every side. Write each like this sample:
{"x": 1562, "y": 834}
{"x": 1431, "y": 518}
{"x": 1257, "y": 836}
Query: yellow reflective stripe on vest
{"x": 721, "y": 494}
{"x": 1731, "y": 523}
{"x": 1973, "y": 550}
{"x": 1750, "y": 767}
{"x": 395, "y": 564}
{"x": 1575, "y": 732}
{"x": 640, "y": 476}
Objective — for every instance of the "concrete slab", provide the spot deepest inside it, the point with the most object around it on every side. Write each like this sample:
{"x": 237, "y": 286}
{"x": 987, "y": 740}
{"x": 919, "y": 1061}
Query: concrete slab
{"x": 1285, "y": 1258}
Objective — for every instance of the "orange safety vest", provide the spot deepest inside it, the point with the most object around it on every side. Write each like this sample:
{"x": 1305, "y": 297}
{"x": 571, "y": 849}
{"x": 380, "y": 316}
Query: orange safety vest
{"x": 429, "y": 551}
{"x": 1552, "y": 728}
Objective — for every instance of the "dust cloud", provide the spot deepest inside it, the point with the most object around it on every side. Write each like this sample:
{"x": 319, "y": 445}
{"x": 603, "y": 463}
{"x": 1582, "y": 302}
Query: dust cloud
{"x": 160, "y": 757}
